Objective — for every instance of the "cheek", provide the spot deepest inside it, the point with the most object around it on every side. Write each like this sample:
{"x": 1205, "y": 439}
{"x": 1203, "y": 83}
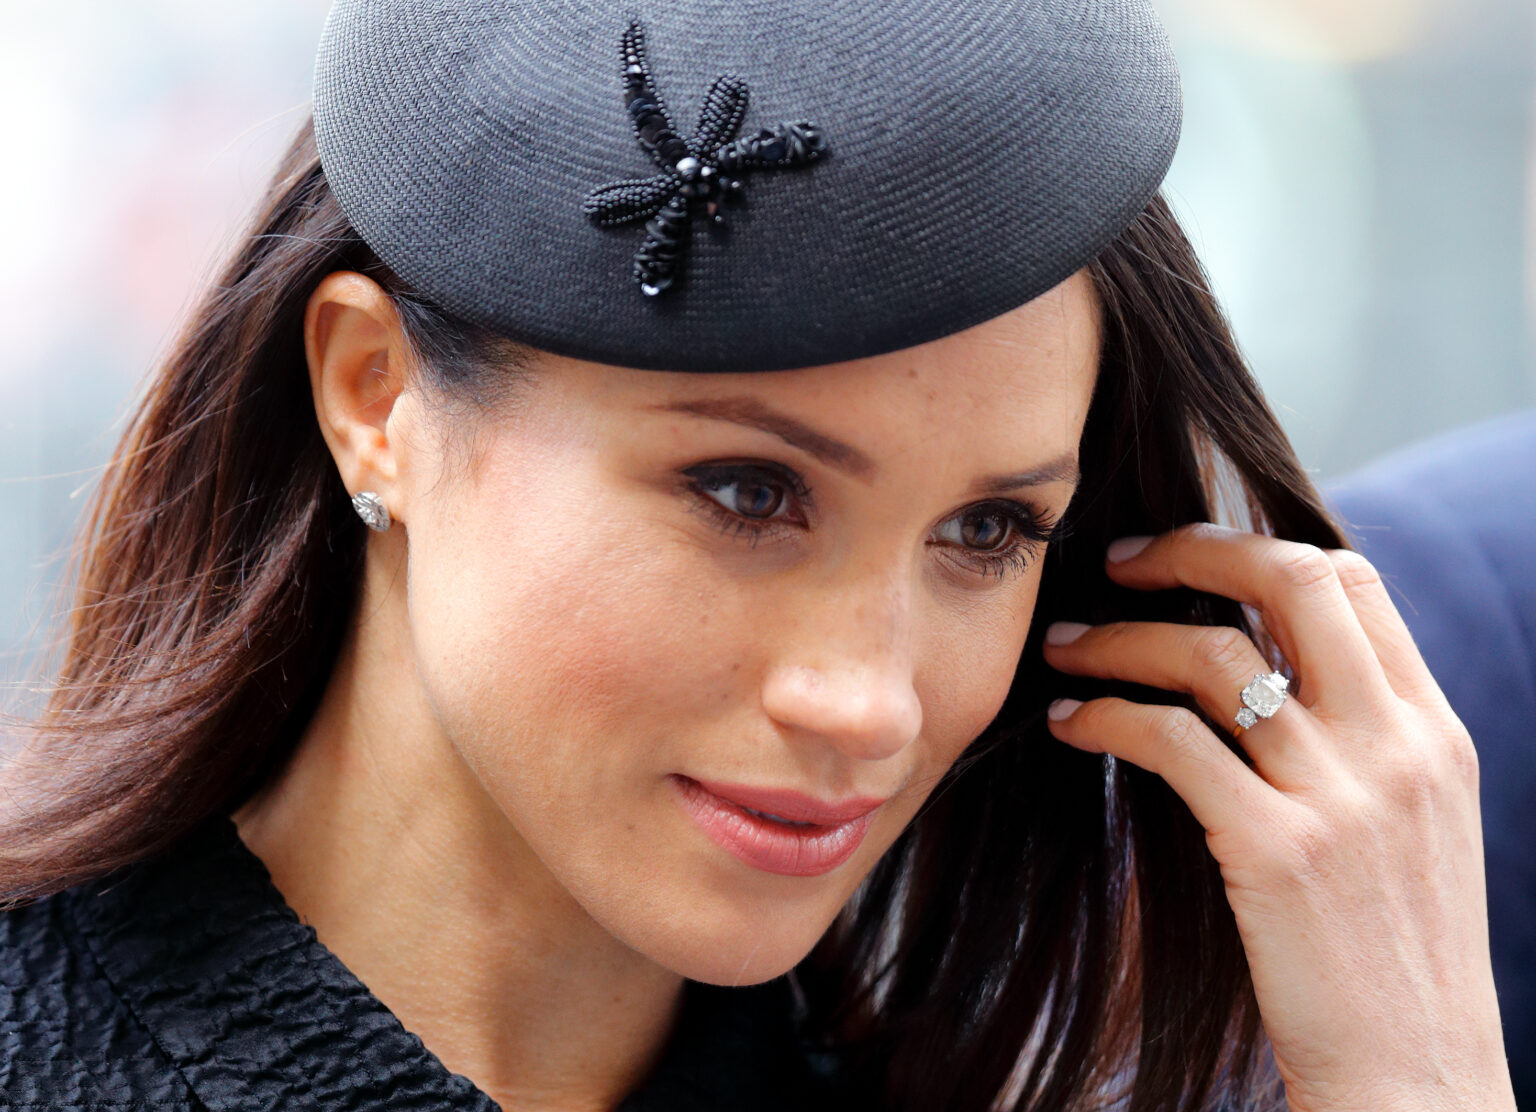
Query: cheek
{"x": 969, "y": 667}
{"x": 559, "y": 635}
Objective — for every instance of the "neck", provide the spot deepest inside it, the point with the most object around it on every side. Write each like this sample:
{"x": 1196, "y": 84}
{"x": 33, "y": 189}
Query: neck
{"x": 381, "y": 838}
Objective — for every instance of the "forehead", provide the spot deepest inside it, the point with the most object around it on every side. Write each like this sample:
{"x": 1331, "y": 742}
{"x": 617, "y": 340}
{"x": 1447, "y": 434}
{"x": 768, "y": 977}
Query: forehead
{"x": 1028, "y": 373}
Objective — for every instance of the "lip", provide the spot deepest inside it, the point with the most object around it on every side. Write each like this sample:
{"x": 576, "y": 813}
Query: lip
{"x": 835, "y": 834}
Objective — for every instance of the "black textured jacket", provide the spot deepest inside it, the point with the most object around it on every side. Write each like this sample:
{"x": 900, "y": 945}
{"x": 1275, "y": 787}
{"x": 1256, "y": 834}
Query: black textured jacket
{"x": 186, "y": 983}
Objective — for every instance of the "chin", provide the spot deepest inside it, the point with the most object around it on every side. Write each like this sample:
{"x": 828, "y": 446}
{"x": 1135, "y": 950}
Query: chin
{"x": 721, "y": 927}
{"x": 725, "y": 923}
{"x": 738, "y": 957}
{"x": 731, "y": 897}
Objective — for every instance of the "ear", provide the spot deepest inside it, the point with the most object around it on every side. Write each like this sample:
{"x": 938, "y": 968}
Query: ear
{"x": 357, "y": 357}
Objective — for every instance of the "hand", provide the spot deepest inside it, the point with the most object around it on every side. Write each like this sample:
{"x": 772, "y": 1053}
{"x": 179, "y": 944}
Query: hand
{"x": 1352, "y": 850}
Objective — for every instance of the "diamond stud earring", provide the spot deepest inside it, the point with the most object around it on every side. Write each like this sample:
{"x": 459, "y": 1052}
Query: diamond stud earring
{"x": 370, "y": 507}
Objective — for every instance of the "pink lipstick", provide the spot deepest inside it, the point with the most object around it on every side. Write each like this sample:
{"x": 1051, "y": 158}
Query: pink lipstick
{"x": 778, "y": 830}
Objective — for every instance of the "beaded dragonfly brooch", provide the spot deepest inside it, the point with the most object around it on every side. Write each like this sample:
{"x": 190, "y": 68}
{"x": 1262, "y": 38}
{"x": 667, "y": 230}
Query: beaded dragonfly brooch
{"x": 697, "y": 173}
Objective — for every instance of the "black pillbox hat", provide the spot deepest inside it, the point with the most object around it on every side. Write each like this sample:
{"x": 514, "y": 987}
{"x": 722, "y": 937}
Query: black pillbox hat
{"x": 741, "y": 185}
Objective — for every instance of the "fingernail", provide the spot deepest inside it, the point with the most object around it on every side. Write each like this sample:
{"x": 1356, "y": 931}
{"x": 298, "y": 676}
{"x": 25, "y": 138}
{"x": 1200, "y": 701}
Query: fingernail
{"x": 1126, "y": 547}
{"x": 1062, "y": 708}
{"x": 1064, "y": 633}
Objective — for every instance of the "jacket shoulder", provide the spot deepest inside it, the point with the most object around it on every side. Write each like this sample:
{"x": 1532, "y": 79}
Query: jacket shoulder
{"x": 67, "y": 1042}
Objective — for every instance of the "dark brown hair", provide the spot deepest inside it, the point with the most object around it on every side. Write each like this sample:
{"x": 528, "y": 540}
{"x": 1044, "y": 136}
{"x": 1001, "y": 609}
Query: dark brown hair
{"x": 1049, "y": 933}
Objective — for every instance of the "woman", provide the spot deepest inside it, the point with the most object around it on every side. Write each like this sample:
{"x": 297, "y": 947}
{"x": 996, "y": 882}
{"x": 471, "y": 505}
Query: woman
{"x": 713, "y": 711}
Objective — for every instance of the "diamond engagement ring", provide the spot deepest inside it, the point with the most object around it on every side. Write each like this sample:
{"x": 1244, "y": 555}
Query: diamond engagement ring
{"x": 1263, "y": 696}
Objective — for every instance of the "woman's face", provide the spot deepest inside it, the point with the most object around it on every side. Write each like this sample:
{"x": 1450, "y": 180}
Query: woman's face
{"x": 815, "y": 581}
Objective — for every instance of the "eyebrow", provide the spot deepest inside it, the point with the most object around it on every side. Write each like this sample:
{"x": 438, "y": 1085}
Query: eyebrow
{"x": 1062, "y": 469}
{"x": 752, "y": 413}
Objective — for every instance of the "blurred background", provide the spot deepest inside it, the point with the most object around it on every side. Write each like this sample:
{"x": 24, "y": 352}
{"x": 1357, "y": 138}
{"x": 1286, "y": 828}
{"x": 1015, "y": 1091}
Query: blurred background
{"x": 1358, "y": 177}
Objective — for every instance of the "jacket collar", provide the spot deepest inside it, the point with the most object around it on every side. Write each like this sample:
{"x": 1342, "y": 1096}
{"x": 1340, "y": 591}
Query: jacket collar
{"x": 258, "y": 1015}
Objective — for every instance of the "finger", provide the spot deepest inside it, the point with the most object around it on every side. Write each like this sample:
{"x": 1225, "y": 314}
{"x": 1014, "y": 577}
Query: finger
{"x": 1212, "y": 663}
{"x": 1293, "y": 586}
{"x": 1172, "y": 742}
{"x": 1384, "y": 627}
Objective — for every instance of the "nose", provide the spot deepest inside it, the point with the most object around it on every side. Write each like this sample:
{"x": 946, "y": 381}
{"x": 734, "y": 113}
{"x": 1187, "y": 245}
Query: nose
{"x": 848, "y": 678}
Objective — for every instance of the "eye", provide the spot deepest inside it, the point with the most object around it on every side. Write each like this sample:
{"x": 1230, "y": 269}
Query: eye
{"x": 753, "y": 497}
{"x": 985, "y": 531}
{"x": 750, "y": 497}
{"x": 996, "y": 537}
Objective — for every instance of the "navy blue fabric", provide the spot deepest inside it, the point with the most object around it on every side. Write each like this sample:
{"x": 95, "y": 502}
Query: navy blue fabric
{"x": 1451, "y": 525}
{"x": 186, "y": 984}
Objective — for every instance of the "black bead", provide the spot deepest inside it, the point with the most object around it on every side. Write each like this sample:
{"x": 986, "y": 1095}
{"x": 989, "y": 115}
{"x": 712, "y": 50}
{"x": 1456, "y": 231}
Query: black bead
{"x": 724, "y": 157}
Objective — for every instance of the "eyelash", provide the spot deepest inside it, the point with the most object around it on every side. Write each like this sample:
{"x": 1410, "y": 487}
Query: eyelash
{"x": 715, "y": 476}
{"x": 1030, "y": 527}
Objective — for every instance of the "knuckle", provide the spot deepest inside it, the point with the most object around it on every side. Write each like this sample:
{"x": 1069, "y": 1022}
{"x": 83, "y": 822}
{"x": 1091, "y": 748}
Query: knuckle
{"x": 1303, "y": 567}
{"x": 1412, "y": 777}
{"x": 1447, "y": 763}
{"x": 1354, "y": 570}
{"x": 1461, "y": 753}
{"x": 1182, "y": 732}
{"x": 1222, "y": 649}
{"x": 1307, "y": 852}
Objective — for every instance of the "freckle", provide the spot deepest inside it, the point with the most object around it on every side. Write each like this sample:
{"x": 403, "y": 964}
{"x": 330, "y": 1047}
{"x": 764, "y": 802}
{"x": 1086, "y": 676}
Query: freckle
{"x": 736, "y": 667}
